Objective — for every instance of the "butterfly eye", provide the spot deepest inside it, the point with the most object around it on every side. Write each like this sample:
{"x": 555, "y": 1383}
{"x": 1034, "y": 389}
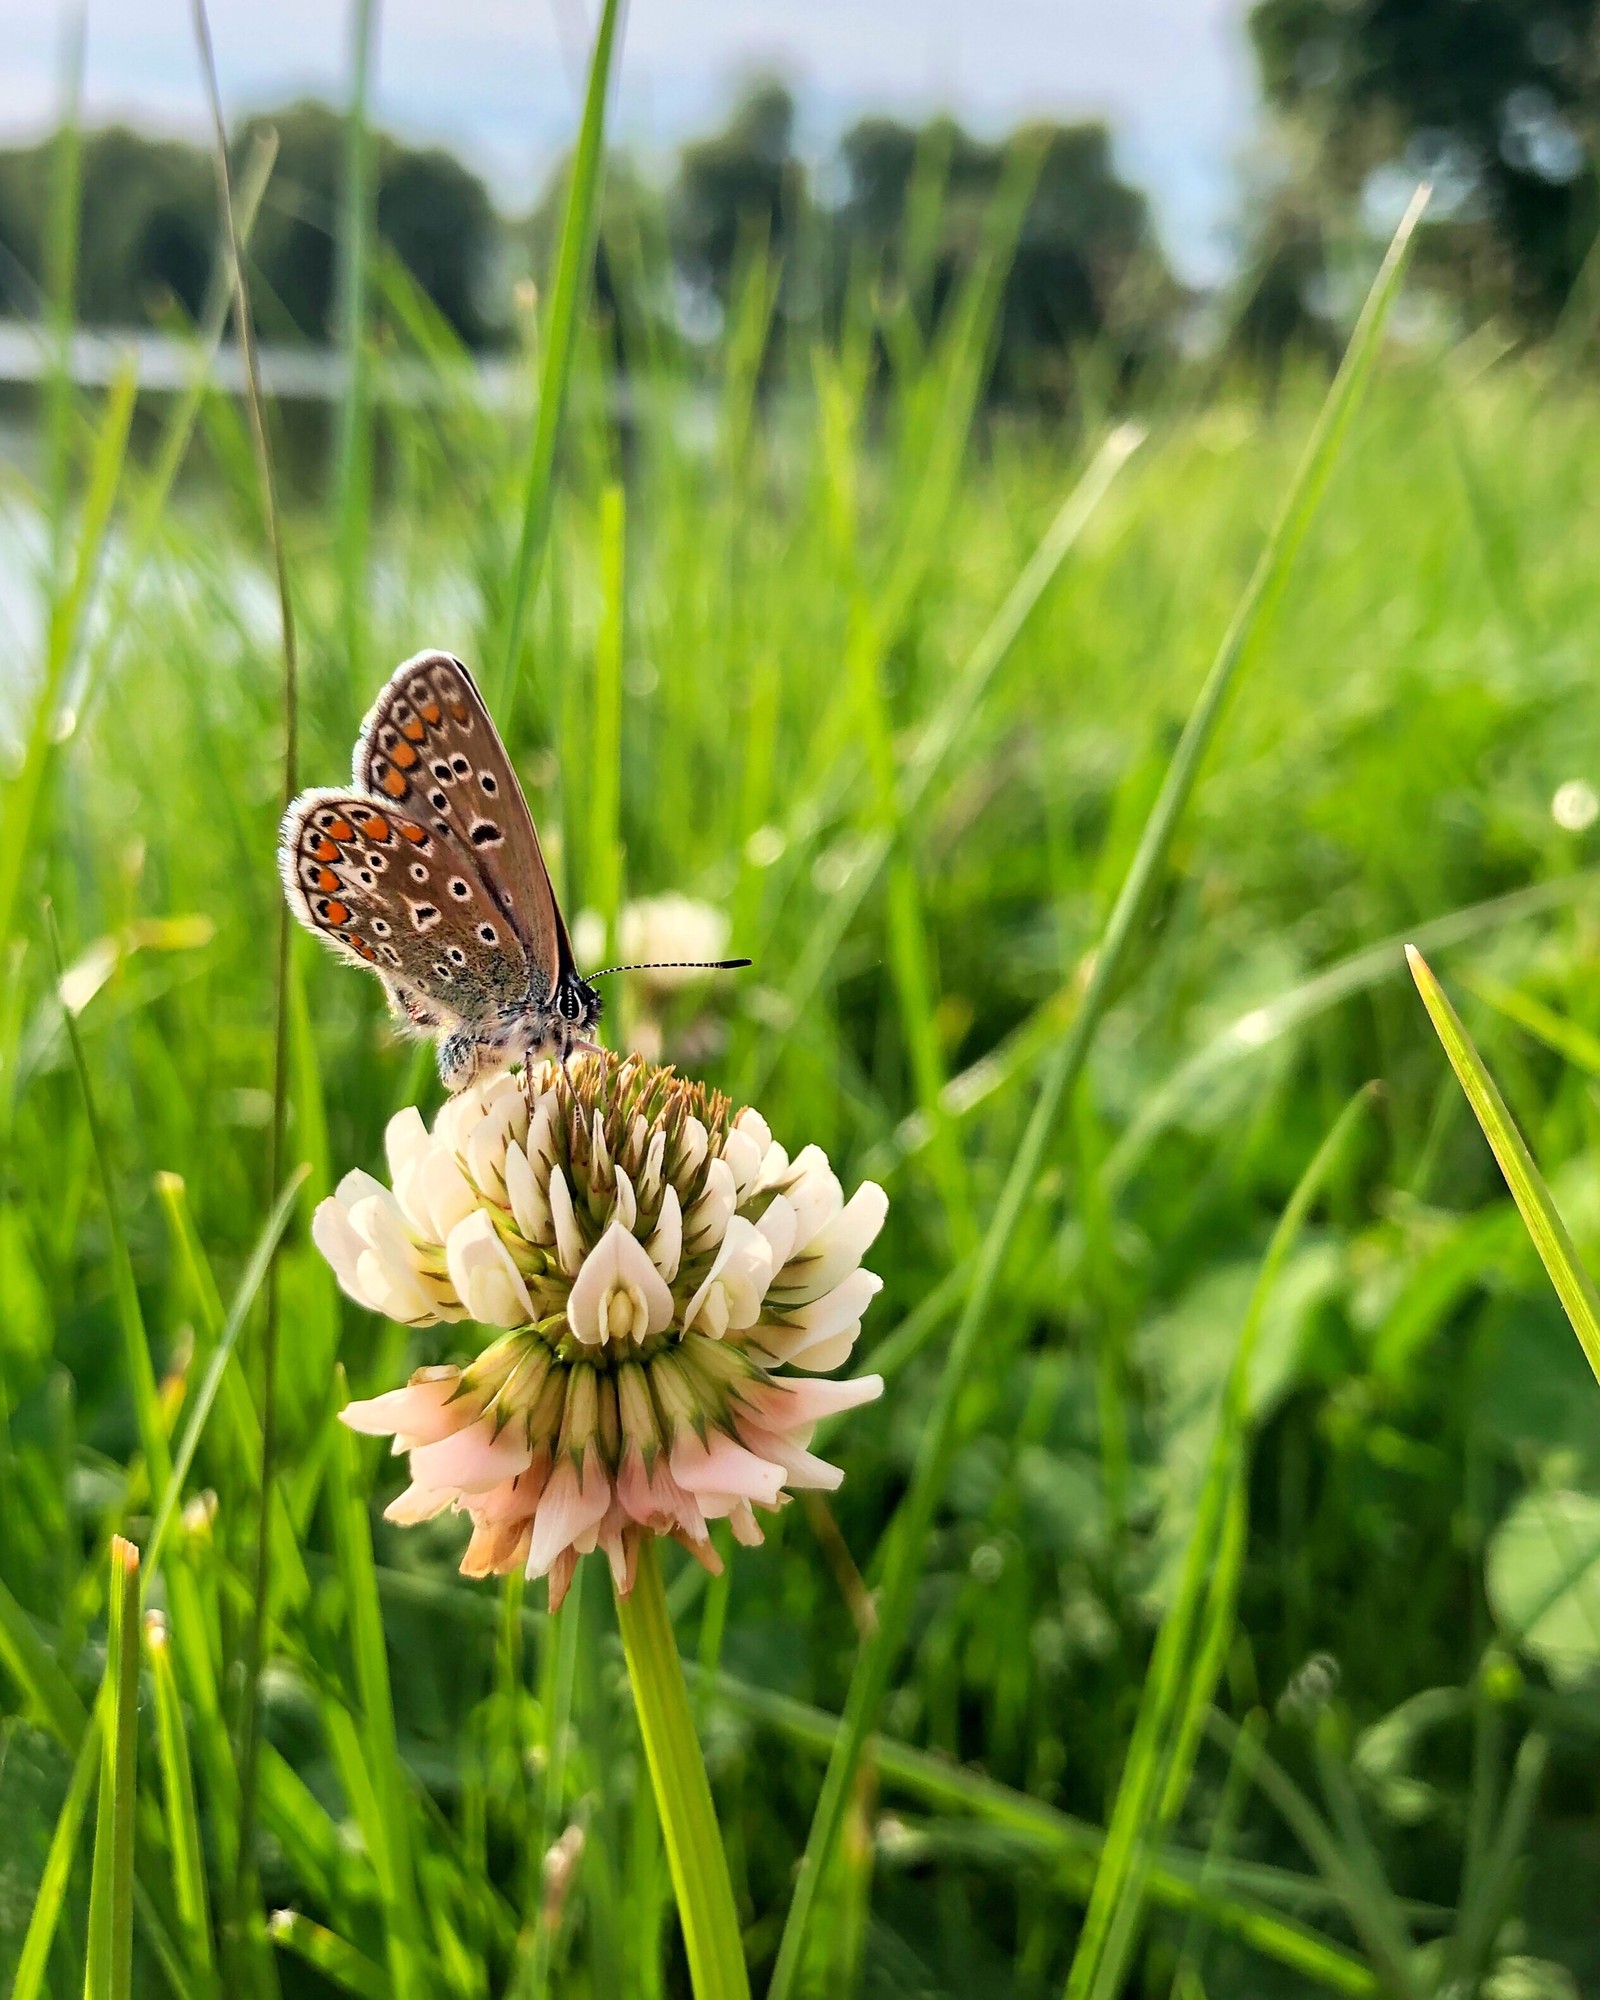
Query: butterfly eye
{"x": 568, "y": 1005}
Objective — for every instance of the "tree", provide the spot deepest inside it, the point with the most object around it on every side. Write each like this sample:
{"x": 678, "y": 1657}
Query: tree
{"x": 1086, "y": 268}
{"x": 1497, "y": 100}
{"x": 743, "y": 184}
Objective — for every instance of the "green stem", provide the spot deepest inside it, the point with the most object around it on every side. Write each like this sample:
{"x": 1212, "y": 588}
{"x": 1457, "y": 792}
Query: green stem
{"x": 683, "y": 1794}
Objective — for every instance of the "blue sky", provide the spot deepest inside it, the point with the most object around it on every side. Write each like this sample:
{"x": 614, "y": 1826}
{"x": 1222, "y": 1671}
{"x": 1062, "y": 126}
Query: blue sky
{"x": 497, "y": 80}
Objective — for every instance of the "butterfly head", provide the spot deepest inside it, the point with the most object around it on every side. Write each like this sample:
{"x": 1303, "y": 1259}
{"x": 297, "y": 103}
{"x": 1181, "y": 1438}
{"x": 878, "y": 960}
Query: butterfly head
{"x": 578, "y": 1008}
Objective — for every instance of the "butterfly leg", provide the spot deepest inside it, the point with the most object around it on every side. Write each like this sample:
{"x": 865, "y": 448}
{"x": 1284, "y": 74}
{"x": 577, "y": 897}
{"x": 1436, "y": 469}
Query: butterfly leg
{"x": 461, "y": 1059}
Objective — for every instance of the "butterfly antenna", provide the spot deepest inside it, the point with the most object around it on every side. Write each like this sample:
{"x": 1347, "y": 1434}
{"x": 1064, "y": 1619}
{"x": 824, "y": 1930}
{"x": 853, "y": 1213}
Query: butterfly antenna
{"x": 674, "y": 965}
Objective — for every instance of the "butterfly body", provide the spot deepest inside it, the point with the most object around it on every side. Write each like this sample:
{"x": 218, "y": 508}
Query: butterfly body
{"x": 428, "y": 871}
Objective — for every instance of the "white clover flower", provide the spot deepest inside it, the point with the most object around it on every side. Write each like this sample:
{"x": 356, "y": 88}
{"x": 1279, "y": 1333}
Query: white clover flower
{"x": 653, "y": 1263}
{"x": 653, "y": 931}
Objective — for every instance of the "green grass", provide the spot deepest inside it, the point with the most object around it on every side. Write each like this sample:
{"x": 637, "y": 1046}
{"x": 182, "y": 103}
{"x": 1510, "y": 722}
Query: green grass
{"x": 850, "y": 661}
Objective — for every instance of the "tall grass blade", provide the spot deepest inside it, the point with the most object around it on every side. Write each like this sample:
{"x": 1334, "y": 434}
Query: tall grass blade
{"x": 560, "y": 329}
{"x": 200, "y": 1406}
{"x": 181, "y": 1808}
{"x": 108, "y": 1973}
{"x": 261, "y": 440}
{"x": 34, "y": 1958}
{"x": 870, "y": 1681}
{"x": 1557, "y": 1252}
{"x": 1179, "y": 1687}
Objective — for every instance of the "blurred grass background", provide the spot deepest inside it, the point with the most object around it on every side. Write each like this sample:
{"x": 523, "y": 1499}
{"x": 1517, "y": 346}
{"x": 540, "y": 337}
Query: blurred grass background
{"x": 786, "y": 554}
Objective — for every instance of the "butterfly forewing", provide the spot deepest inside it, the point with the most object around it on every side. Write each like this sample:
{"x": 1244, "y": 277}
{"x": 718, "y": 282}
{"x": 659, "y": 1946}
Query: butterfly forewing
{"x": 405, "y": 897}
{"x": 429, "y": 749}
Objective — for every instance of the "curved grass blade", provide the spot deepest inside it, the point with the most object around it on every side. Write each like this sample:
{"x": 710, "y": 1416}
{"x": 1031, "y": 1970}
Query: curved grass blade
{"x": 870, "y": 1682}
{"x": 180, "y": 1809}
{"x": 579, "y": 229}
{"x": 337, "y": 1960}
{"x": 34, "y": 1958}
{"x": 1574, "y": 1287}
{"x": 200, "y": 1408}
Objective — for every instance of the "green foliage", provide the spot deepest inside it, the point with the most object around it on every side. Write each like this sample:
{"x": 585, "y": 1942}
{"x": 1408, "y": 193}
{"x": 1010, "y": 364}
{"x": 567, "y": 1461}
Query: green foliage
{"x": 890, "y": 703}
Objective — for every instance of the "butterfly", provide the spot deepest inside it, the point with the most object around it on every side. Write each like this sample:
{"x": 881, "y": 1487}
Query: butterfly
{"x": 427, "y": 870}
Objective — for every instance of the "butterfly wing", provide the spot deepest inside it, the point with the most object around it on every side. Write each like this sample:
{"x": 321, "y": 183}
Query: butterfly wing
{"x": 430, "y": 748}
{"x": 405, "y": 898}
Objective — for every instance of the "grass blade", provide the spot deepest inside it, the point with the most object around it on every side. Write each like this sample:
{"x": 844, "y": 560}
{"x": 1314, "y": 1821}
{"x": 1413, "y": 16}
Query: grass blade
{"x": 108, "y": 1973}
{"x": 870, "y": 1682}
{"x": 256, "y": 1631}
{"x": 180, "y": 1807}
{"x": 338, "y": 1961}
{"x": 34, "y": 1958}
{"x": 200, "y": 1408}
{"x": 1178, "y": 1689}
{"x": 579, "y": 229}
{"x": 1557, "y": 1253}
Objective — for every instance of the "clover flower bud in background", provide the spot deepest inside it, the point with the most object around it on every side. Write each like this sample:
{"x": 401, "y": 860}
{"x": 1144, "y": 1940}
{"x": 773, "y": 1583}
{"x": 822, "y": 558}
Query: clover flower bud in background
{"x": 652, "y": 932}
{"x": 655, "y": 1264}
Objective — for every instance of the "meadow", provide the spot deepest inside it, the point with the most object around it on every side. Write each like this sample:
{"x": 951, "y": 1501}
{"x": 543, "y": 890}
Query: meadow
{"x": 1285, "y": 1672}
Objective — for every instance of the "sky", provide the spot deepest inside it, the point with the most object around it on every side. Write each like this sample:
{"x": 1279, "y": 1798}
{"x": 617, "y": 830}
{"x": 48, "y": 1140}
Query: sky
{"x": 498, "y": 80}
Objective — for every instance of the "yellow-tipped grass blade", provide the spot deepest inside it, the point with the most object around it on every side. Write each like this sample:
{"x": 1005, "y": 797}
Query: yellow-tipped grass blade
{"x": 1574, "y": 1286}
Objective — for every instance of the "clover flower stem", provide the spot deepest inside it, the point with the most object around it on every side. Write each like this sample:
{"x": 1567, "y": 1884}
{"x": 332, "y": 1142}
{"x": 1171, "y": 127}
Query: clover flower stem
{"x": 683, "y": 1793}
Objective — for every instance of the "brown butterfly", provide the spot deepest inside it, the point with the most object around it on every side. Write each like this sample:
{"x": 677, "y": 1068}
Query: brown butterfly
{"x": 428, "y": 871}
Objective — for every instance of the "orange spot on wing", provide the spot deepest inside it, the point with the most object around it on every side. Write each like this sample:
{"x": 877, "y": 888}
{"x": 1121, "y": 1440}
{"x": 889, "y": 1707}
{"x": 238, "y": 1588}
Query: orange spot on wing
{"x": 459, "y": 710}
{"x": 432, "y": 713}
{"x": 341, "y": 830}
{"x": 409, "y": 830}
{"x": 327, "y": 881}
{"x": 323, "y": 849}
{"x": 362, "y": 946}
{"x": 374, "y": 827}
{"x": 392, "y": 783}
{"x": 412, "y": 730}
{"x": 336, "y": 914}
{"x": 404, "y": 756}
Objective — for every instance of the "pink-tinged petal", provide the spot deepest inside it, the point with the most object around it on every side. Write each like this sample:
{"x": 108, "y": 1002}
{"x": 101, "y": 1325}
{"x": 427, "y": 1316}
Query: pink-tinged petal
{"x": 723, "y": 1466}
{"x": 568, "y": 1508}
{"x": 836, "y": 1249}
{"x": 429, "y": 1407}
{"x": 474, "y": 1459}
{"x": 746, "y": 1528}
{"x": 496, "y": 1547}
{"x": 569, "y": 1243}
{"x": 618, "y": 1265}
{"x": 801, "y": 1469}
{"x": 481, "y": 1269}
{"x": 417, "y": 1503}
{"x": 514, "y": 1499}
{"x": 786, "y": 1405}
{"x": 528, "y": 1205}
{"x": 560, "y": 1577}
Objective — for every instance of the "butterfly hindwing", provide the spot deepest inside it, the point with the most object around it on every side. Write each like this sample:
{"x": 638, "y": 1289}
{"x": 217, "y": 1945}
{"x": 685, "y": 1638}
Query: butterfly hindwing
{"x": 404, "y": 897}
{"x": 430, "y": 749}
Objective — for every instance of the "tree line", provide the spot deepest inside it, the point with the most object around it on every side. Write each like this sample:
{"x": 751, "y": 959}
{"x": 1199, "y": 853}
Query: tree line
{"x": 1497, "y": 101}
{"x": 913, "y": 207}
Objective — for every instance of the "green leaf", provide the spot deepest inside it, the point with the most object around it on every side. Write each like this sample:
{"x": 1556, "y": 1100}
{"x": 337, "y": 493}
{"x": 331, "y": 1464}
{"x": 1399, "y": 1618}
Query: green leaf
{"x": 1542, "y": 1574}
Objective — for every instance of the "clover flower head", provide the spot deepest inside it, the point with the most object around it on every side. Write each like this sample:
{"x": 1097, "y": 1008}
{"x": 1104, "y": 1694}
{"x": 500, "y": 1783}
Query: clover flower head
{"x": 656, "y": 1266}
